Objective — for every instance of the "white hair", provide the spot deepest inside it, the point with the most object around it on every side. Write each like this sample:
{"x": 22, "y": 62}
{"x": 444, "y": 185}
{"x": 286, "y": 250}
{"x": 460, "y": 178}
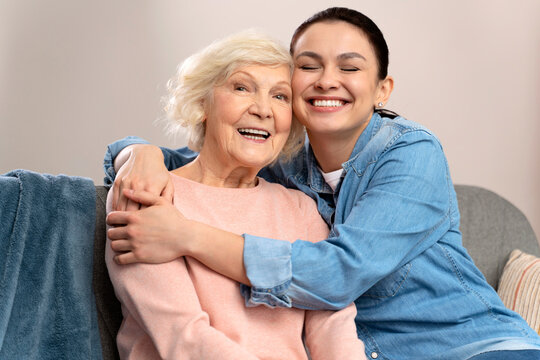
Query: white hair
{"x": 192, "y": 87}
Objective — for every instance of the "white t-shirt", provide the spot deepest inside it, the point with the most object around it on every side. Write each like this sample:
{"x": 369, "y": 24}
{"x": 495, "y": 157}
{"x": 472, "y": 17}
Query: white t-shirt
{"x": 332, "y": 178}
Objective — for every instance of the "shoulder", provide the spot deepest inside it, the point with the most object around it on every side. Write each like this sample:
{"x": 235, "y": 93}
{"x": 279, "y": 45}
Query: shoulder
{"x": 408, "y": 138}
{"x": 401, "y": 129}
{"x": 397, "y": 145}
{"x": 300, "y": 209}
{"x": 290, "y": 197}
{"x": 399, "y": 134}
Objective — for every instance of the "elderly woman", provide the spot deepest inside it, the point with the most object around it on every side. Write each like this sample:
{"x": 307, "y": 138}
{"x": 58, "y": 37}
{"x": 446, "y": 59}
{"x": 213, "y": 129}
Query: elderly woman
{"x": 235, "y": 97}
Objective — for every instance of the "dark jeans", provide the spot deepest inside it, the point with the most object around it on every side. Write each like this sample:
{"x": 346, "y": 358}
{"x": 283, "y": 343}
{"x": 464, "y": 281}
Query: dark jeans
{"x": 509, "y": 355}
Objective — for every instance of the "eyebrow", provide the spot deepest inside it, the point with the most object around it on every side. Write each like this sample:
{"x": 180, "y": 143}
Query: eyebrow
{"x": 310, "y": 54}
{"x": 243, "y": 73}
{"x": 280, "y": 83}
{"x": 351, "y": 55}
{"x": 283, "y": 82}
{"x": 344, "y": 56}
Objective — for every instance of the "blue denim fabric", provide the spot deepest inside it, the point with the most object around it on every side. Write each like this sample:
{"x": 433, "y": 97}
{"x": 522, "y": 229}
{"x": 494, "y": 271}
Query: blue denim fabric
{"x": 506, "y": 355}
{"x": 173, "y": 158}
{"x": 394, "y": 249}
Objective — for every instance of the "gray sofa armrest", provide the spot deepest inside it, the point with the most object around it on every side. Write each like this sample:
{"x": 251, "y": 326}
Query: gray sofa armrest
{"x": 492, "y": 227}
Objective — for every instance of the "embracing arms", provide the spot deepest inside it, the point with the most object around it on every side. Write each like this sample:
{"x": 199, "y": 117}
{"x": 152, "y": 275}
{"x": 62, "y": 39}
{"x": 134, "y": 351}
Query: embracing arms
{"x": 397, "y": 209}
{"x": 328, "y": 334}
{"x": 156, "y": 233}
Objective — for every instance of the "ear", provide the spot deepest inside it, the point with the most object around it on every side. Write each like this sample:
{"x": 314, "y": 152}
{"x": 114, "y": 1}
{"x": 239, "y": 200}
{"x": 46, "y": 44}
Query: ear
{"x": 205, "y": 110}
{"x": 384, "y": 90}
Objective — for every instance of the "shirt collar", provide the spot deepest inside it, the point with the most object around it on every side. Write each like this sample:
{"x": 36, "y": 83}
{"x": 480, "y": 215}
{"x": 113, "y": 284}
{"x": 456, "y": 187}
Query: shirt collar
{"x": 364, "y": 138}
{"x": 315, "y": 179}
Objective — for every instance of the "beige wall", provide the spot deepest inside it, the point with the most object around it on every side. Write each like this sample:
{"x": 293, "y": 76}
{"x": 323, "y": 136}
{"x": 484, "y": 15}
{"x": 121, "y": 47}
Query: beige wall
{"x": 76, "y": 75}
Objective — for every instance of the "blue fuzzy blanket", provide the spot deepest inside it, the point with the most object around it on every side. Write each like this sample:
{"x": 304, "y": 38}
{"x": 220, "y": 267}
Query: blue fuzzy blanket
{"x": 47, "y": 307}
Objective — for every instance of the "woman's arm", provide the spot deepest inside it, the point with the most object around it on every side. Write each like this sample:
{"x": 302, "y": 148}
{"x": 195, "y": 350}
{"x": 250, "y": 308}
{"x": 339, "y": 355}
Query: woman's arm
{"x": 160, "y": 233}
{"x": 403, "y": 211}
{"x": 140, "y": 167}
{"x": 134, "y": 164}
{"x": 163, "y": 301}
{"x": 172, "y": 158}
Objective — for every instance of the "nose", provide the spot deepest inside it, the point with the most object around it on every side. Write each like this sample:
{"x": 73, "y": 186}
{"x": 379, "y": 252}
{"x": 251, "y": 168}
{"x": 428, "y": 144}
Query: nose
{"x": 261, "y": 107}
{"x": 327, "y": 80}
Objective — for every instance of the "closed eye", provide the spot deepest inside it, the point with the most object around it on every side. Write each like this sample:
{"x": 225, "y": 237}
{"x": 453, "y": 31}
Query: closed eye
{"x": 309, "y": 67}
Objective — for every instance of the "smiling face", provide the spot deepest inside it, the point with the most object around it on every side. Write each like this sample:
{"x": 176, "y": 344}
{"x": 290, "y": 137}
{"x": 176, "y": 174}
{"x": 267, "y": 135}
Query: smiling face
{"x": 335, "y": 81}
{"x": 249, "y": 117}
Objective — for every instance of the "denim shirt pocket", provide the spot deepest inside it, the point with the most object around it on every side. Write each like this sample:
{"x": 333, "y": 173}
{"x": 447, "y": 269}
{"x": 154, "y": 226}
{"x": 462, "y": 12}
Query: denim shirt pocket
{"x": 390, "y": 285}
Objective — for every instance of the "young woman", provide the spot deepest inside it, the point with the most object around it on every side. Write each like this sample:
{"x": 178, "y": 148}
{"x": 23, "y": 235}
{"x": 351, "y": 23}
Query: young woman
{"x": 382, "y": 183}
{"x": 235, "y": 98}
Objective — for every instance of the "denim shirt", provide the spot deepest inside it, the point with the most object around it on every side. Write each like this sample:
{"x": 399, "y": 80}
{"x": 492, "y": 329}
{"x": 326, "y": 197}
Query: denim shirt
{"x": 394, "y": 249}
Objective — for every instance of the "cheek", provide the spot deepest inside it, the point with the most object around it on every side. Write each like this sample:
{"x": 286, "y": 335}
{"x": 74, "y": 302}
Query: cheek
{"x": 283, "y": 120}
{"x": 364, "y": 87}
{"x": 299, "y": 82}
{"x": 218, "y": 129}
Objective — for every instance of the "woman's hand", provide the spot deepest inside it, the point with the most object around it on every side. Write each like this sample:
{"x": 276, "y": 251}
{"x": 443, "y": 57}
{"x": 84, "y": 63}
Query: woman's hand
{"x": 151, "y": 235}
{"x": 160, "y": 233}
{"x": 140, "y": 167}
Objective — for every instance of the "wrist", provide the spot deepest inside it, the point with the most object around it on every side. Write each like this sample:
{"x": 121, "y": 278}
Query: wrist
{"x": 190, "y": 243}
{"x": 146, "y": 151}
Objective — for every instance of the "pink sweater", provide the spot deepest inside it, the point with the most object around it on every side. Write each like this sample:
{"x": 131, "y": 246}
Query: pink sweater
{"x": 184, "y": 310}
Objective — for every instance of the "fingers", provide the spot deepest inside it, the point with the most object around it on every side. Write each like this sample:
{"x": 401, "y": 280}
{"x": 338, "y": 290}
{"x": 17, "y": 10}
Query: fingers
{"x": 116, "y": 194}
{"x": 121, "y": 245}
{"x": 142, "y": 197}
{"x": 118, "y": 233}
{"x": 126, "y": 258}
{"x": 117, "y": 218}
{"x": 131, "y": 205}
{"x": 168, "y": 192}
{"x": 121, "y": 200}
{"x": 138, "y": 167}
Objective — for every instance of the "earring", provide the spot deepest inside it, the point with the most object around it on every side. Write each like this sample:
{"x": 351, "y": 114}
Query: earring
{"x": 380, "y": 104}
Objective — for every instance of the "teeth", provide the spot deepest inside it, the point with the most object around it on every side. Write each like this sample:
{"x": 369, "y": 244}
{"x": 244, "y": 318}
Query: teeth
{"x": 329, "y": 103}
{"x": 262, "y": 133}
{"x": 253, "y": 137}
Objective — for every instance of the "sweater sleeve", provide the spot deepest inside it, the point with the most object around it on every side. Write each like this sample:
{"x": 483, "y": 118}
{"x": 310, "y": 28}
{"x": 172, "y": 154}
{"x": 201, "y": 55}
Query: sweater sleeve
{"x": 332, "y": 334}
{"x": 162, "y": 300}
{"x": 329, "y": 334}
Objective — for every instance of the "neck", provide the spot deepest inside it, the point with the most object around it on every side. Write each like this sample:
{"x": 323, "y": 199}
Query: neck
{"x": 332, "y": 150}
{"x": 210, "y": 171}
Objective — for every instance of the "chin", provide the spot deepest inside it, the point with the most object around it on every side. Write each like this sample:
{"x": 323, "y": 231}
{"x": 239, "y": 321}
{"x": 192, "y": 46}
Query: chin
{"x": 255, "y": 164}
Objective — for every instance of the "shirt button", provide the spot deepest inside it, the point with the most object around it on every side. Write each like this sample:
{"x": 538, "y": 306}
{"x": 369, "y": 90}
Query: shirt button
{"x": 374, "y": 355}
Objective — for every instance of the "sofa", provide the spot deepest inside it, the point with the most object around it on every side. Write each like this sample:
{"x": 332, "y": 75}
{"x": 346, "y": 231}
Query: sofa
{"x": 491, "y": 226}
